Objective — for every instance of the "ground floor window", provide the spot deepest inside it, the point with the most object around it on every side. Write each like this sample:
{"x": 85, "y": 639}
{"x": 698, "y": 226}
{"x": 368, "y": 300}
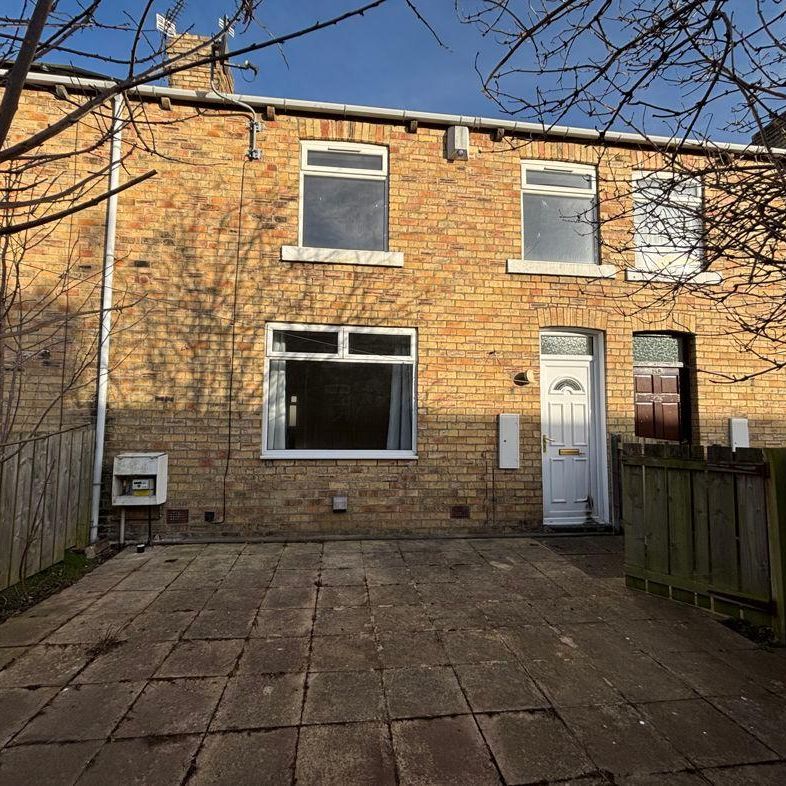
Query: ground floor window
{"x": 662, "y": 386}
{"x": 339, "y": 392}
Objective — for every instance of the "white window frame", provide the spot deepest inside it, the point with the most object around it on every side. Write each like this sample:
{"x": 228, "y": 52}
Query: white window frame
{"x": 379, "y": 257}
{"x": 592, "y": 269}
{"x": 688, "y": 270}
{"x": 343, "y": 356}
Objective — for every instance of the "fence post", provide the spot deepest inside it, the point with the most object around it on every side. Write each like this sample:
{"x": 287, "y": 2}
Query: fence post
{"x": 776, "y": 524}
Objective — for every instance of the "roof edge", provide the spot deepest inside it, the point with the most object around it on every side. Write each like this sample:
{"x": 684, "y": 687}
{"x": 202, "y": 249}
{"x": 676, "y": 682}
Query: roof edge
{"x": 402, "y": 115}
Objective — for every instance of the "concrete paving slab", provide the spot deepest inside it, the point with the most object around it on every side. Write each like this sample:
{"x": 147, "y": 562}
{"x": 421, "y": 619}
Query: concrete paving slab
{"x": 423, "y": 692}
{"x": 344, "y": 653}
{"x": 619, "y": 740}
{"x": 470, "y": 646}
{"x": 173, "y": 707}
{"x": 342, "y": 577}
{"x": 45, "y": 765}
{"x": 347, "y": 620}
{"x": 290, "y": 598}
{"x": 707, "y": 674}
{"x": 499, "y": 687}
{"x": 24, "y": 630}
{"x": 18, "y": 705}
{"x": 282, "y": 622}
{"x": 442, "y": 751}
{"x": 358, "y": 754}
{"x": 299, "y": 577}
{"x": 394, "y": 595}
{"x": 335, "y": 597}
{"x": 180, "y": 600}
{"x": 81, "y": 712}
{"x": 573, "y": 682}
{"x": 343, "y": 697}
{"x": 703, "y": 734}
{"x": 257, "y": 701}
{"x": 764, "y": 716}
{"x": 760, "y": 774}
{"x": 400, "y": 618}
{"x": 274, "y": 655}
{"x": 767, "y": 668}
{"x": 534, "y": 746}
{"x": 246, "y": 758}
{"x": 221, "y": 624}
{"x": 465, "y": 617}
{"x": 45, "y": 664}
{"x": 411, "y": 648}
{"x": 149, "y": 761}
{"x": 10, "y": 654}
{"x": 387, "y": 575}
{"x": 152, "y": 626}
{"x": 128, "y": 661}
{"x": 201, "y": 658}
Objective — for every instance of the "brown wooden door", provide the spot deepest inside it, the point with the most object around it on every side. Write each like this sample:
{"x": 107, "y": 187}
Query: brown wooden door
{"x": 658, "y": 402}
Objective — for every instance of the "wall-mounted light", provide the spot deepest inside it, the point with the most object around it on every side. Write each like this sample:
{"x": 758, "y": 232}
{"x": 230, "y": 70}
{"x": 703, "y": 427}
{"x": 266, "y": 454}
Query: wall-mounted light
{"x": 522, "y": 378}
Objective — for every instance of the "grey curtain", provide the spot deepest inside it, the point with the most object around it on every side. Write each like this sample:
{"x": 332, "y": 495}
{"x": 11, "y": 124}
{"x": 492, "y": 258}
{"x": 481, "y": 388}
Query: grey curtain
{"x": 400, "y": 417}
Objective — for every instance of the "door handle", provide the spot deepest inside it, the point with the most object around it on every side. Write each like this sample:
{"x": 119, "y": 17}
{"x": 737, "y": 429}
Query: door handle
{"x": 546, "y": 441}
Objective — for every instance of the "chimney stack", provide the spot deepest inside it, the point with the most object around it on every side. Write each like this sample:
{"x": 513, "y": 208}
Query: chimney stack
{"x": 193, "y": 48}
{"x": 773, "y": 134}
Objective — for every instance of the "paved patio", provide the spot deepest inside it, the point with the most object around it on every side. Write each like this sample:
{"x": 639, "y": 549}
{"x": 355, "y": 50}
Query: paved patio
{"x": 413, "y": 662}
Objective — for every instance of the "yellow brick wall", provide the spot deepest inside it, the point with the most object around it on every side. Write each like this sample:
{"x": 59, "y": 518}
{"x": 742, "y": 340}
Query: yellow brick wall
{"x": 181, "y": 235}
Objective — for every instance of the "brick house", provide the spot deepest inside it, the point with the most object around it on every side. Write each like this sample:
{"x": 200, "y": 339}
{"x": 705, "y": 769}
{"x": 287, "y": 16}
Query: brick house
{"x": 365, "y": 312}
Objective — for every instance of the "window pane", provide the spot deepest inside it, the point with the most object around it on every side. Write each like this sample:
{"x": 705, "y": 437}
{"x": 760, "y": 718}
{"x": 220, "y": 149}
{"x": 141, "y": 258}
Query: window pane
{"x": 379, "y": 344}
{"x": 539, "y": 177}
{"x": 656, "y": 349}
{"x": 322, "y": 342}
{"x": 566, "y": 345}
{"x": 345, "y": 406}
{"x": 350, "y": 160}
{"x": 559, "y": 229}
{"x": 344, "y": 213}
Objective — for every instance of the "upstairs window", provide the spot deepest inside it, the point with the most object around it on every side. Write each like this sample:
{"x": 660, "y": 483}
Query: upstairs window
{"x": 559, "y": 210}
{"x": 339, "y": 392}
{"x": 668, "y": 224}
{"x": 344, "y": 196}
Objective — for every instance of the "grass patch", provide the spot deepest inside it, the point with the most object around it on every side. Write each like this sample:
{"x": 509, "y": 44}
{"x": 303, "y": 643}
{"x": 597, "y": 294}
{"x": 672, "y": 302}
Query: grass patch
{"x": 36, "y": 588}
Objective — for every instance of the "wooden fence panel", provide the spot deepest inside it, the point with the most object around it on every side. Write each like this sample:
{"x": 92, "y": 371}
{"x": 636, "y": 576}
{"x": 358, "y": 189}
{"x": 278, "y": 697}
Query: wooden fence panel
{"x": 753, "y": 546}
{"x": 680, "y": 529}
{"x": 7, "y": 516}
{"x": 655, "y": 513}
{"x": 24, "y": 477}
{"x": 723, "y": 534}
{"x": 45, "y": 491}
{"x": 32, "y": 557}
{"x": 705, "y": 525}
{"x": 633, "y": 515}
{"x": 701, "y": 527}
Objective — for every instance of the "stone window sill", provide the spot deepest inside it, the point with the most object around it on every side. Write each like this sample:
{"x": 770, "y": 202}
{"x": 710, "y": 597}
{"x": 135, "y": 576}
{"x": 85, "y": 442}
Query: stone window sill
{"x": 561, "y": 269}
{"x": 340, "y": 256}
{"x": 707, "y": 277}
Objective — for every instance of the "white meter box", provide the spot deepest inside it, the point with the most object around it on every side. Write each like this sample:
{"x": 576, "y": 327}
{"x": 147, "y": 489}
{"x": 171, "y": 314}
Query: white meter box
{"x": 139, "y": 479}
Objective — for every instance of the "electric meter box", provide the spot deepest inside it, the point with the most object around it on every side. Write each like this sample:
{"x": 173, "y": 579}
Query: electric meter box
{"x": 139, "y": 479}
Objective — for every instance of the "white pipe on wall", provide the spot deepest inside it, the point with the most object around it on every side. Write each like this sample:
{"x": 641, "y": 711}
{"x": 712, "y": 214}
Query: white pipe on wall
{"x": 105, "y": 326}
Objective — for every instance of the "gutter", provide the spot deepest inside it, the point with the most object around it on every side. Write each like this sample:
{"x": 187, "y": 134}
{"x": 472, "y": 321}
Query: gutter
{"x": 477, "y": 123}
{"x": 105, "y": 325}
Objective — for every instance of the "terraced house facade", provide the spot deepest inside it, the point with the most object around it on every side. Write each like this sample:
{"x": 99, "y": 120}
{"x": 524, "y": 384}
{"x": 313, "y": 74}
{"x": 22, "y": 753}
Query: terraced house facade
{"x": 383, "y": 322}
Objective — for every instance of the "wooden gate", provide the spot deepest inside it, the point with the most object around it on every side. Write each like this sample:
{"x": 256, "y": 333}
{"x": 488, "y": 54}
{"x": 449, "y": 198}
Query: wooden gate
{"x": 696, "y": 527}
{"x": 45, "y": 489}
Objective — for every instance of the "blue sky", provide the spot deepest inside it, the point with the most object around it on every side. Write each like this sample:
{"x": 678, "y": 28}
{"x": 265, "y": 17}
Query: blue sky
{"x": 385, "y": 58}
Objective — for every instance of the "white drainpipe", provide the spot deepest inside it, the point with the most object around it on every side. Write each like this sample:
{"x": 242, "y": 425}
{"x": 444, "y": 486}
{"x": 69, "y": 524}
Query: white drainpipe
{"x": 106, "y": 313}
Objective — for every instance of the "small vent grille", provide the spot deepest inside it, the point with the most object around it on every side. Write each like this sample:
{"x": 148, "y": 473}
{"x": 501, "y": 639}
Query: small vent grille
{"x": 459, "y": 512}
{"x": 177, "y": 516}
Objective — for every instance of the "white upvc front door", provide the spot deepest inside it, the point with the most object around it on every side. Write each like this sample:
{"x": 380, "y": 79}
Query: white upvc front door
{"x": 567, "y": 440}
